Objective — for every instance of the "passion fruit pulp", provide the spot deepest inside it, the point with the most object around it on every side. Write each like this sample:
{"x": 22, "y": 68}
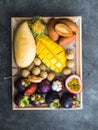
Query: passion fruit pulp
{"x": 74, "y": 84}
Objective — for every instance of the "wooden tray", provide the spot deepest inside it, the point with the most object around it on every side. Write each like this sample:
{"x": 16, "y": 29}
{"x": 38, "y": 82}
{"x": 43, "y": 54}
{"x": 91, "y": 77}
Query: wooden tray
{"x": 15, "y": 21}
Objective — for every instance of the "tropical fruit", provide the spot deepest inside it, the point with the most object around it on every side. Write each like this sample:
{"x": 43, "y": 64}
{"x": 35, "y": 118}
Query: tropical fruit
{"x": 51, "y": 54}
{"x": 74, "y": 84}
{"x": 24, "y": 46}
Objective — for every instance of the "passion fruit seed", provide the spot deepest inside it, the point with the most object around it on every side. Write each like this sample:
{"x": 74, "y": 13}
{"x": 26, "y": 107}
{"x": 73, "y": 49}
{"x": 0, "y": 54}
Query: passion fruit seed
{"x": 36, "y": 71}
{"x": 51, "y": 76}
{"x": 43, "y": 74}
{"x": 37, "y": 61}
{"x": 66, "y": 71}
{"x": 42, "y": 67}
{"x": 74, "y": 84}
{"x": 70, "y": 64}
{"x": 70, "y": 54}
{"x": 25, "y": 73}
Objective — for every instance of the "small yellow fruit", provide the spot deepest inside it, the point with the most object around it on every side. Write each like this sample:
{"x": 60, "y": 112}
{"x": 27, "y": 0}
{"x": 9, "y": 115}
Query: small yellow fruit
{"x": 70, "y": 63}
{"x": 25, "y": 73}
{"x": 36, "y": 71}
{"x": 43, "y": 74}
{"x": 42, "y": 67}
{"x": 51, "y": 76}
{"x": 66, "y": 71}
{"x": 37, "y": 61}
{"x": 70, "y": 54}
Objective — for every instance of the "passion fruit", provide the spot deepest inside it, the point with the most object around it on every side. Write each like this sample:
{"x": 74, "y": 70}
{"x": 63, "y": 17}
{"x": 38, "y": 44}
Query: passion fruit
{"x": 74, "y": 84}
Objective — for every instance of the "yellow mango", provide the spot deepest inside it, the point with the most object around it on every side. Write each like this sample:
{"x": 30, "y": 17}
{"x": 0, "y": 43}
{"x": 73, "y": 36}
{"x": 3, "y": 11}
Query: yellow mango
{"x": 24, "y": 46}
{"x": 52, "y": 54}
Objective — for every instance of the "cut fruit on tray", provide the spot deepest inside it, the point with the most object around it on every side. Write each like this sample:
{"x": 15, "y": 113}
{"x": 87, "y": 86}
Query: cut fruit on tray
{"x": 74, "y": 84}
{"x": 51, "y": 62}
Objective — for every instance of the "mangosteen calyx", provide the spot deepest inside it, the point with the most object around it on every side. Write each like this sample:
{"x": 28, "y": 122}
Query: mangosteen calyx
{"x": 24, "y": 101}
{"x": 54, "y": 104}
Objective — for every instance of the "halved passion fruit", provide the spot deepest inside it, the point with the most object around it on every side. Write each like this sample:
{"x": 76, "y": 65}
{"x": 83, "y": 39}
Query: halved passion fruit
{"x": 74, "y": 84}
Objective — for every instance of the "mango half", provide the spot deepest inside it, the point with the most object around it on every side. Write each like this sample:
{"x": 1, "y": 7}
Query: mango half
{"x": 24, "y": 46}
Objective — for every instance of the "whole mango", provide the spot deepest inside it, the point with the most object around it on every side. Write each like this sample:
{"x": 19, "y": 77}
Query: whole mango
{"x": 24, "y": 46}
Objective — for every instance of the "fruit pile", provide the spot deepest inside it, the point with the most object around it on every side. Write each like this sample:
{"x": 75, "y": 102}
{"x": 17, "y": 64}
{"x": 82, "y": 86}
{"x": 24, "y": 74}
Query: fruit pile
{"x": 46, "y": 66}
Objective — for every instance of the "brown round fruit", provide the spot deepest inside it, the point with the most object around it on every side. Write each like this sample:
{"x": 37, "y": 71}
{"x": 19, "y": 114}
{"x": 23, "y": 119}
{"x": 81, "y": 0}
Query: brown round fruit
{"x": 70, "y": 64}
{"x": 36, "y": 71}
{"x": 37, "y": 61}
{"x": 51, "y": 76}
{"x": 25, "y": 73}
{"x": 42, "y": 67}
{"x": 70, "y": 54}
{"x": 66, "y": 71}
{"x": 43, "y": 74}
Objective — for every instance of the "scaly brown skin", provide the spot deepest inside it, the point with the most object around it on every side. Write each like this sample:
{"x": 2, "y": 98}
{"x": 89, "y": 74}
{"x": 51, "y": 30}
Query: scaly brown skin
{"x": 51, "y": 29}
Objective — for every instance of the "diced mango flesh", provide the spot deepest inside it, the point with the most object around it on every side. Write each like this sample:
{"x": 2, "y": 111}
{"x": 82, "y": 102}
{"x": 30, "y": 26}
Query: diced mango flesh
{"x": 51, "y": 54}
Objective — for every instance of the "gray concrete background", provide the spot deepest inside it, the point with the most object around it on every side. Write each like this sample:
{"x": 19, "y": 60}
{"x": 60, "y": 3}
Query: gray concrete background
{"x": 86, "y": 119}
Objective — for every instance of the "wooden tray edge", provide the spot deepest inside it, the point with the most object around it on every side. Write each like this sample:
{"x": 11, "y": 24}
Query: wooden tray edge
{"x": 80, "y": 55}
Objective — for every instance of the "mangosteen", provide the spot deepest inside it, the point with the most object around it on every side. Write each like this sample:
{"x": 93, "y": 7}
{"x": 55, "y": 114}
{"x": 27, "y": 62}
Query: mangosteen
{"x": 51, "y": 95}
{"x": 21, "y": 100}
{"x": 66, "y": 100}
{"x": 37, "y": 99}
{"x": 57, "y": 85}
{"x": 44, "y": 86}
{"x": 21, "y": 84}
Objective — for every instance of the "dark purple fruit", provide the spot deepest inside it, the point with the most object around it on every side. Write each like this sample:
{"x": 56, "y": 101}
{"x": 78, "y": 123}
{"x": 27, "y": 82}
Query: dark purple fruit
{"x": 66, "y": 100}
{"x": 51, "y": 95}
{"x": 21, "y": 100}
{"x": 35, "y": 104}
{"x": 44, "y": 86}
{"x": 19, "y": 86}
